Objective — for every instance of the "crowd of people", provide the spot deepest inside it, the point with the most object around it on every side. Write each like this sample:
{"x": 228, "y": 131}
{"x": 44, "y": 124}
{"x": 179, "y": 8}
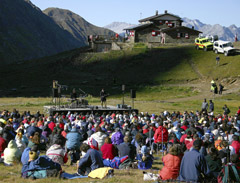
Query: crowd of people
{"x": 196, "y": 145}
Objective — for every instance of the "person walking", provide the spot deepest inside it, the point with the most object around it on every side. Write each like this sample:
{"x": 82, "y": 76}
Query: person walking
{"x": 220, "y": 89}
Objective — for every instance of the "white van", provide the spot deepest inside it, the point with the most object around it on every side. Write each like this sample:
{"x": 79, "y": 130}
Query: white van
{"x": 212, "y": 38}
{"x": 225, "y": 47}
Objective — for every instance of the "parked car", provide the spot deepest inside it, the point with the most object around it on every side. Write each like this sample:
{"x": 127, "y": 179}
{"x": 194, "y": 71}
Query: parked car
{"x": 225, "y": 47}
{"x": 203, "y": 43}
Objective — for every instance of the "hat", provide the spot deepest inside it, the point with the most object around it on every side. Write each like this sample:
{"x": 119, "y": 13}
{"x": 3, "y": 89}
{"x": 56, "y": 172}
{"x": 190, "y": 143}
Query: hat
{"x": 32, "y": 155}
{"x": 197, "y": 143}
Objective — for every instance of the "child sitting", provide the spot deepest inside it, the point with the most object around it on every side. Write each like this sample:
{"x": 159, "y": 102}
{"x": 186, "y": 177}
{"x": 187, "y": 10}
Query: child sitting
{"x": 145, "y": 160}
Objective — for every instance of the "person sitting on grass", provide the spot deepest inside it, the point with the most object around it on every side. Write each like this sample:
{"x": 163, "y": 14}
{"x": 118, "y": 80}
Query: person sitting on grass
{"x": 91, "y": 160}
{"x": 40, "y": 166}
{"x": 57, "y": 153}
{"x": 171, "y": 161}
{"x": 145, "y": 160}
{"x": 108, "y": 149}
{"x": 11, "y": 153}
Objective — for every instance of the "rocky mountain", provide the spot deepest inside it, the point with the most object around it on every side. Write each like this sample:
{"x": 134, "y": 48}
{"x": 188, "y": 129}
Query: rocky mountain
{"x": 118, "y": 26}
{"x": 75, "y": 24}
{"x": 27, "y": 33}
{"x": 224, "y": 33}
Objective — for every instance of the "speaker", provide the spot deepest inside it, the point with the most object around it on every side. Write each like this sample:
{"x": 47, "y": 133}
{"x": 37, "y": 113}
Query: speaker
{"x": 133, "y": 93}
{"x": 55, "y": 92}
{"x": 123, "y": 87}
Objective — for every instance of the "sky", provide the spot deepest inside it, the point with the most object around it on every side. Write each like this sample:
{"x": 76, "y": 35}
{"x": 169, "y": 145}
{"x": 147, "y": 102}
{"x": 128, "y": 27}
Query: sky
{"x": 104, "y": 12}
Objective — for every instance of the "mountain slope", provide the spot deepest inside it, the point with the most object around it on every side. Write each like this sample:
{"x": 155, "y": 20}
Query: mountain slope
{"x": 224, "y": 33}
{"x": 75, "y": 24}
{"x": 26, "y": 33}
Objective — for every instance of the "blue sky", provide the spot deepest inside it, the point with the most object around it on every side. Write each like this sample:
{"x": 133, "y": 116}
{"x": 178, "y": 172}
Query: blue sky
{"x": 104, "y": 12}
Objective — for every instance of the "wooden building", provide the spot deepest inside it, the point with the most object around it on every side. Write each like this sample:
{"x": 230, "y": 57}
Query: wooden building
{"x": 161, "y": 28}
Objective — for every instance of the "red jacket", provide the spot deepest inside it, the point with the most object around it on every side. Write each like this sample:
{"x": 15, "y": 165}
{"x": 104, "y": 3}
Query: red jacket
{"x": 184, "y": 127}
{"x": 161, "y": 135}
{"x": 108, "y": 151}
{"x": 3, "y": 145}
{"x": 171, "y": 167}
{"x": 182, "y": 139}
{"x": 236, "y": 146}
{"x": 51, "y": 125}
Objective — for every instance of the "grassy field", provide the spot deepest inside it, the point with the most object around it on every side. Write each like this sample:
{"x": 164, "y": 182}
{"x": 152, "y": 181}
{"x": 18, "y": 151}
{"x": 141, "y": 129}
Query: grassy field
{"x": 12, "y": 174}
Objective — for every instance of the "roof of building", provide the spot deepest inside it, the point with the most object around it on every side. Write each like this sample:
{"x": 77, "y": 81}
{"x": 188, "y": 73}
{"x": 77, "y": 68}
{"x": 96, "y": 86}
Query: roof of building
{"x": 138, "y": 26}
{"x": 159, "y": 15}
{"x": 175, "y": 28}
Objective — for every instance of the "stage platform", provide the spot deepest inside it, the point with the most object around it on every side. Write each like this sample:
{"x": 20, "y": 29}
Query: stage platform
{"x": 87, "y": 109}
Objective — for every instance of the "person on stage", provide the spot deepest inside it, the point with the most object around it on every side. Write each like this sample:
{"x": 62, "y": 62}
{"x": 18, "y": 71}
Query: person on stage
{"x": 103, "y": 96}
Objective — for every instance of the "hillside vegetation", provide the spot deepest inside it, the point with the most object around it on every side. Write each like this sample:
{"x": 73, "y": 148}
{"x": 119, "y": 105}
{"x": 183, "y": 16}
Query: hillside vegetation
{"x": 173, "y": 77}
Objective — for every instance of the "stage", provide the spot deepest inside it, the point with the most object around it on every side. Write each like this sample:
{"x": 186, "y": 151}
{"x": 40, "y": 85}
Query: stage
{"x": 52, "y": 110}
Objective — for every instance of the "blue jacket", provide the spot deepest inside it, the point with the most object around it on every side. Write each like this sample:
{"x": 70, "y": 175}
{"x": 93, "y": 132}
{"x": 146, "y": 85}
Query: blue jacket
{"x": 73, "y": 139}
{"x": 192, "y": 165}
{"x": 25, "y": 155}
{"x": 41, "y": 163}
{"x": 127, "y": 149}
{"x": 92, "y": 159}
{"x": 144, "y": 165}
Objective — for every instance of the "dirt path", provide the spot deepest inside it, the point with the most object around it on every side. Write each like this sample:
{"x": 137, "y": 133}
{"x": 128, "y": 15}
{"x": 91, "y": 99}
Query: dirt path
{"x": 195, "y": 69}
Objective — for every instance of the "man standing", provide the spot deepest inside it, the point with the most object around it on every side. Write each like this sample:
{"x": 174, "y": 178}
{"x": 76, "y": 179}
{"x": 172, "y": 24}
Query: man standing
{"x": 204, "y": 105}
{"x": 103, "y": 96}
{"x": 217, "y": 60}
{"x": 194, "y": 167}
{"x": 211, "y": 106}
{"x": 220, "y": 89}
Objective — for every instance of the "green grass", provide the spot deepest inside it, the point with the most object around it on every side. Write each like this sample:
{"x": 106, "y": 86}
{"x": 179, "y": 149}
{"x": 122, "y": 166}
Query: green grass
{"x": 12, "y": 174}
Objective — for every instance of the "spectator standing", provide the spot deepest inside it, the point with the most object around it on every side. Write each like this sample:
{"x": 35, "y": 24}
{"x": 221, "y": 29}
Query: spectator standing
{"x": 211, "y": 106}
{"x": 226, "y": 110}
{"x": 217, "y": 60}
{"x": 220, "y": 89}
{"x": 205, "y": 105}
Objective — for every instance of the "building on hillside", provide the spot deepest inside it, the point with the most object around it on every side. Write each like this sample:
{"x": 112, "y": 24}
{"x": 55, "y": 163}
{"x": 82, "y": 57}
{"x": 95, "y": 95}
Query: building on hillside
{"x": 161, "y": 28}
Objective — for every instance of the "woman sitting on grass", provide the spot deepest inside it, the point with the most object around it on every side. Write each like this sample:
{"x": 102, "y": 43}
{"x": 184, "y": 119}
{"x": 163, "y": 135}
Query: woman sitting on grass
{"x": 171, "y": 162}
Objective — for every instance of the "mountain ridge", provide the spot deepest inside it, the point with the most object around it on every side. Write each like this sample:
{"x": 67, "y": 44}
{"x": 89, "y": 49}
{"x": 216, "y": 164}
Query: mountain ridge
{"x": 26, "y": 33}
{"x": 75, "y": 24}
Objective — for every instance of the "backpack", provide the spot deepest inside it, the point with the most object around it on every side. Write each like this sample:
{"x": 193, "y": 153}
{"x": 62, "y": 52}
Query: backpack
{"x": 229, "y": 172}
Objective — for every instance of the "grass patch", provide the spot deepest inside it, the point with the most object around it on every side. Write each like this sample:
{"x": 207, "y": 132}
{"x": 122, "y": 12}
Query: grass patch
{"x": 12, "y": 174}
{"x": 151, "y": 93}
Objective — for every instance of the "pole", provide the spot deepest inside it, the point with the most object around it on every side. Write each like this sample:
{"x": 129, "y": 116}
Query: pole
{"x": 123, "y": 91}
{"x": 132, "y": 103}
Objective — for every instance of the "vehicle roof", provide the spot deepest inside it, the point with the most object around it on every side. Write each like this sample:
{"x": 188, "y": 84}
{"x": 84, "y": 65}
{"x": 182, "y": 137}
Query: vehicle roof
{"x": 222, "y": 42}
{"x": 201, "y": 38}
